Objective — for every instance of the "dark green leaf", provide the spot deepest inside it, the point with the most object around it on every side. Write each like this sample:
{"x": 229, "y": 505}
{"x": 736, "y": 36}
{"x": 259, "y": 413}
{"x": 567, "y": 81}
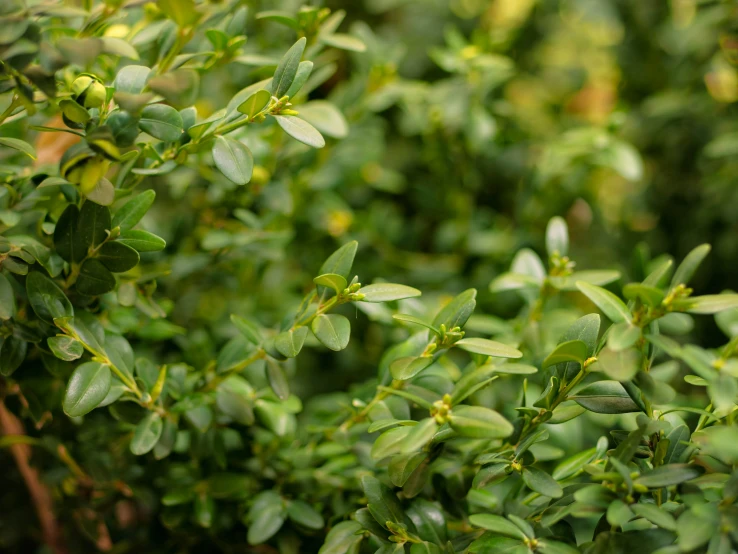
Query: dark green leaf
{"x": 162, "y": 122}
{"x": 132, "y": 211}
{"x": 605, "y": 397}
{"x": 94, "y": 278}
{"x": 497, "y": 524}
{"x": 668, "y": 475}
{"x": 86, "y": 389}
{"x": 118, "y": 257}
{"x": 47, "y": 299}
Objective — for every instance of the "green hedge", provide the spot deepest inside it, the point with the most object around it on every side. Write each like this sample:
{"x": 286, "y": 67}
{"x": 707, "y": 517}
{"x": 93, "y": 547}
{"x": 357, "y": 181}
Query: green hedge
{"x": 216, "y": 221}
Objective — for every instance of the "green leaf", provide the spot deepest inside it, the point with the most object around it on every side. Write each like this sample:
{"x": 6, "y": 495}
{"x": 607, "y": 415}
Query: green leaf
{"x": 557, "y": 237}
{"x": 162, "y": 122}
{"x": 326, "y": 118}
{"x": 7, "y": 298}
{"x": 305, "y": 515}
{"x": 332, "y": 280}
{"x": 66, "y": 241}
{"x": 277, "y": 379}
{"x": 646, "y": 294}
{"x": 541, "y": 482}
{"x": 94, "y": 278}
{"x": 20, "y": 145}
{"x": 669, "y": 475}
{"x": 574, "y": 464}
{"x": 390, "y": 442}
{"x": 286, "y": 71}
{"x": 457, "y": 312}
{"x": 143, "y": 241}
{"x": 147, "y": 434}
{"x": 605, "y": 397}
{"x": 65, "y": 348}
{"x": 569, "y": 351}
{"x": 622, "y": 336}
{"x": 247, "y": 328}
{"x": 132, "y": 211}
{"x": 403, "y": 466}
{"x": 332, "y": 330}
{"x": 300, "y": 130}
{"x": 12, "y": 353}
{"x": 497, "y": 524}
{"x": 621, "y": 365}
{"x": 183, "y": 12}
{"x": 554, "y": 547}
{"x": 341, "y": 260}
{"x": 266, "y": 523}
{"x": 119, "y": 47}
{"x": 255, "y": 103}
{"x": 689, "y": 265}
{"x": 479, "y": 423}
{"x": 343, "y": 42}
{"x": 342, "y": 538}
{"x": 180, "y": 87}
{"x": 131, "y": 79}
{"x": 586, "y": 329}
{"x": 382, "y": 502}
{"x": 599, "y": 277}
{"x": 47, "y": 299}
{"x": 708, "y": 304}
{"x": 234, "y": 398}
{"x": 74, "y": 112}
{"x": 233, "y": 160}
{"x": 387, "y": 292}
{"x": 94, "y": 225}
{"x": 118, "y": 257}
{"x": 408, "y": 367}
{"x": 655, "y": 515}
{"x": 289, "y": 343}
{"x": 303, "y": 74}
{"x": 416, "y": 320}
{"x": 419, "y": 435}
{"x": 281, "y": 17}
{"x": 102, "y": 193}
{"x": 488, "y": 347}
{"x": 611, "y": 305}
{"x": 87, "y": 388}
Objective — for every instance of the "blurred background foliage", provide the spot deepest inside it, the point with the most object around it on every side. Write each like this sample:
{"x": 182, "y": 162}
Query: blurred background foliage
{"x": 471, "y": 124}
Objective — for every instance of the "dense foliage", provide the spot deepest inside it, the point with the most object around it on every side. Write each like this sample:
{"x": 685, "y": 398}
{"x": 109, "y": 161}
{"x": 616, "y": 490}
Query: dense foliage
{"x": 213, "y": 220}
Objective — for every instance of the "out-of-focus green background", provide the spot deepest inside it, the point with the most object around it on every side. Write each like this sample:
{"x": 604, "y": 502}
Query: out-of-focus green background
{"x": 471, "y": 124}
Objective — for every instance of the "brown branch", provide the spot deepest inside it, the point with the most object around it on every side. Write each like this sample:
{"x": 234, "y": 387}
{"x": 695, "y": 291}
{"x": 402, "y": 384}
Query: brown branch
{"x": 11, "y": 425}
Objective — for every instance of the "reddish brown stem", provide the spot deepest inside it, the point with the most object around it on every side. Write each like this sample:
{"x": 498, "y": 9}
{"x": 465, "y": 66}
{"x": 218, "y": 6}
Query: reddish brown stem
{"x": 40, "y": 496}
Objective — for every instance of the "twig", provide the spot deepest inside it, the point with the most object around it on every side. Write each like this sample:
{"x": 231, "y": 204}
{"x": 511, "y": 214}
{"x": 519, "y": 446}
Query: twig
{"x": 11, "y": 425}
